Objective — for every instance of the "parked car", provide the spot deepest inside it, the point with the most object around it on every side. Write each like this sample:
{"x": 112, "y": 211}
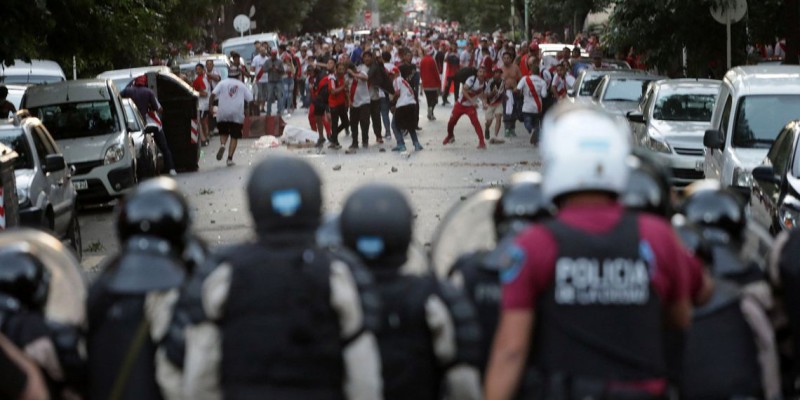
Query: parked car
{"x": 581, "y": 63}
{"x": 33, "y": 73}
{"x": 588, "y": 80}
{"x": 671, "y": 121}
{"x": 221, "y": 65}
{"x": 87, "y": 120}
{"x": 245, "y": 45}
{"x": 775, "y": 194}
{"x": 621, "y": 93}
{"x": 47, "y": 199}
{"x": 144, "y": 144}
{"x": 755, "y": 103}
{"x": 123, "y": 77}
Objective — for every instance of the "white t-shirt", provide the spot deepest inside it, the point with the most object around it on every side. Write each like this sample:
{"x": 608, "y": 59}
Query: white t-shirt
{"x": 528, "y": 102}
{"x": 232, "y": 94}
{"x": 360, "y": 95}
{"x": 202, "y": 103}
{"x": 406, "y": 95}
{"x": 258, "y": 62}
{"x": 561, "y": 85}
{"x": 475, "y": 88}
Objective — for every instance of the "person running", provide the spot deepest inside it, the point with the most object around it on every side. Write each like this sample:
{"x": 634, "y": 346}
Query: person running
{"x": 493, "y": 107}
{"x": 232, "y": 95}
{"x": 405, "y": 114}
{"x": 533, "y": 89}
{"x": 473, "y": 89}
{"x": 563, "y": 81}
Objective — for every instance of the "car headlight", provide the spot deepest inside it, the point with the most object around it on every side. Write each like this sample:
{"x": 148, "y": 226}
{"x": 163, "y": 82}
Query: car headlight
{"x": 115, "y": 153}
{"x": 789, "y": 218}
{"x": 742, "y": 177}
{"x": 22, "y": 197}
{"x": 656, "y": 144}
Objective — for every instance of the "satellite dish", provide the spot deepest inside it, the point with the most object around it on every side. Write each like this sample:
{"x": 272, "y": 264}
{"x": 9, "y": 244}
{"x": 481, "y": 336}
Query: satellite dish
{"x": 252, "y": 11}
{"x": 729, "y": 11}
{"x": 241, "y": 23}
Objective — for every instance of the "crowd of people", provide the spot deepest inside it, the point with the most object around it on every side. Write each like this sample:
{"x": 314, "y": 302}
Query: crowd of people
{"x": 377, "y": 80}
{"x": 598, "y": 286}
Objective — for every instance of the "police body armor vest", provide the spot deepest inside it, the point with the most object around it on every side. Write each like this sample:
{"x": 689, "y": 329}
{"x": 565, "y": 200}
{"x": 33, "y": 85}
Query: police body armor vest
{"x": 600, "y": 318}
{"x": 482, "y": 287}
{"x": 409, "y": 365}
{"x": 721, "y": 358}
{"x": 113, "y": 322}
{"x": 280, "y": 335}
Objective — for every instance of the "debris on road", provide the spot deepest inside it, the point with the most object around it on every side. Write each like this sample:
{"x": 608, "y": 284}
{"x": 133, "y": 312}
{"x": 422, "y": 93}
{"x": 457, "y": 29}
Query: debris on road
{"x": 337, "y": 167}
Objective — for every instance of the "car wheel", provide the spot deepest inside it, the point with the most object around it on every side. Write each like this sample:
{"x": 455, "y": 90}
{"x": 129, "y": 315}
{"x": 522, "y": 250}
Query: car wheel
{"x": 74, "y": 236}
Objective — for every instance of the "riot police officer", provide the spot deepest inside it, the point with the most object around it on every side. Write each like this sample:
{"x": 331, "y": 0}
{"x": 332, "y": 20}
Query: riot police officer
{"x": 784, "y": 271}
{"x": 41, "y": 310}
{"x": 478, "y": 273}
{"x": 288, "y": 321}
{"x": 126, "y": 304}
{"x": 429, "y": 336}
{"x": 648, "y": 189}
{"x": 730, "y": 347}
{"x": 598, "y": 280}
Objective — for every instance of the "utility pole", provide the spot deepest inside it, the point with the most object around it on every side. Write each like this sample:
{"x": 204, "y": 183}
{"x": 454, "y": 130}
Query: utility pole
{"x": 527, "y": 27}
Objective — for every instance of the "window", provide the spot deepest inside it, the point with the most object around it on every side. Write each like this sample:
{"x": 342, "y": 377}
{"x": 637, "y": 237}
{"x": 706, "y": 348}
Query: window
{"x": 77, "y": 120}
{"x": 625, "y": 90}
{"x": 589, "y": 84}
{"x": 41, "y": 149}
{"x": 672, "y": 106}
{"x": 15, "y": 139}
{"x": 726, "y": 115}
{"x": 759, "y": 119}
{"x": 130, "y": 116}
{"x": 49, "y": 146}
{"x": 781, "y": 151}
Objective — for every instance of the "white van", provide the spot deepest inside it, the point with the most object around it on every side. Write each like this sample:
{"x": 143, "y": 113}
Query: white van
{"x": 87, "y": 119}
{"x": 34, "y": 73}
{"x": 246, "y": 46}
{"x": 754, "y": 104}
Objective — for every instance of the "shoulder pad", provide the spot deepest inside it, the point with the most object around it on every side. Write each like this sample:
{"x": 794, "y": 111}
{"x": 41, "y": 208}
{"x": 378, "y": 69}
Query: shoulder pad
{"x": 365, "y": 284}
{"x": 506, "y": 256}
{"x": 467, "y": 328}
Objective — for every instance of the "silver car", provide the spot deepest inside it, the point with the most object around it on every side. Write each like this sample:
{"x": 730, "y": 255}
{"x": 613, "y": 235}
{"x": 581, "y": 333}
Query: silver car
{"x": 671, "y": 121}
{"x": 588, "y": 80}
{"x": 46, "y": 197}
{"x": 621, "y": 93}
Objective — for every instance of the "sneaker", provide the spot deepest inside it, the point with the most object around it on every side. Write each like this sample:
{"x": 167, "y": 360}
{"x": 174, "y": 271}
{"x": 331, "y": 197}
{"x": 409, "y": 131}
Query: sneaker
{"x": 496, "y": 141}
{"x": 172, "y": 172}
{"x": 449, "y": 139}
{"x": 220, "y": 153}
{"x": 417, "y": 147}
{"x": 354, "y": 146}
{"x": 380, "y": 140}
{"x": 399, "y": 148}
{"x": 334, "y": 146}
{"x": 482, "y": 146}
{"x": 230, "y": 163}
{"x": 388, "y": 136}
{"x": 419, "y": 128}
{"x": 320, "y": 143}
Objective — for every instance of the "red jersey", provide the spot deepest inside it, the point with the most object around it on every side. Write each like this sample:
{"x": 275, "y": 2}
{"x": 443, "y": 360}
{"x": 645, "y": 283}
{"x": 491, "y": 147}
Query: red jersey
{"x": 336, "y": 99}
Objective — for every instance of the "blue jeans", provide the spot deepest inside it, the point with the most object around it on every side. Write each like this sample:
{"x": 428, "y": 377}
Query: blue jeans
{"x": 532, "y": 122}
{"x": 385, "y": 116}
{"x": 274, "y": 90}
{"x": 288, "y": 90}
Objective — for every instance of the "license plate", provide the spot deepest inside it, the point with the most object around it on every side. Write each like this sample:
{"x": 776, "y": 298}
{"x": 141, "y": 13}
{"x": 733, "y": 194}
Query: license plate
{"x": 699, "y": 166}
{"x": 80, "y": 185}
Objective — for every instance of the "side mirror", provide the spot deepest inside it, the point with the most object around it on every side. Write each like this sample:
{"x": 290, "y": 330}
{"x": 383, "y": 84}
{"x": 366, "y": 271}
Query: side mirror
{"x": 765, "y": 173}
{"x": 636, "y": 116}
{"x": 713, "y": 139}
{"x": 54, "y": 162}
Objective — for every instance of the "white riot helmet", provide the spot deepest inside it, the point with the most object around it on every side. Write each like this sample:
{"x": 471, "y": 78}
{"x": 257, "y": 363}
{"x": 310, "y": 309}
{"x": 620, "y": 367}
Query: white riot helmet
{"x": 583, "y": 149}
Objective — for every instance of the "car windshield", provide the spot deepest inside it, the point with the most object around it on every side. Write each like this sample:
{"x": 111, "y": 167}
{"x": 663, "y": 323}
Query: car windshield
{"x": 760, "y": 118}
{"x": 77, "y": 120}
{"x": 245, "y": 50}
{"x": 589, "y": 85}
{"x": 672, "y": 106}
{"x": 15, "y": 139}
{"x": 34, "y": 79}
{"x": 15, "y": 97}
{"x": 624, "y": 89}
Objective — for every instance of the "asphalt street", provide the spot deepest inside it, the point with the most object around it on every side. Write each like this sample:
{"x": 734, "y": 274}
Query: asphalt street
{"x": 435, "y": 179}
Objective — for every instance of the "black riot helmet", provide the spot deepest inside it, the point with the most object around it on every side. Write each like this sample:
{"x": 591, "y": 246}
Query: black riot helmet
{"x": 718, "y": 211}
{"x": 520, "y": 204}
{"x": 24, "y": 277}
{"x": 692, "y": 238}
{"x": 285, "y": 193}
{"x": 376, "y": 223}
{"x": 155, "y": 208}
{"x": 648, "y": 188}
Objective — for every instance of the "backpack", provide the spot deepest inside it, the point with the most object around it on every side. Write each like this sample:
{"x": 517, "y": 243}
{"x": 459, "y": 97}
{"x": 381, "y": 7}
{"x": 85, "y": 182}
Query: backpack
{"x": 465, "y": 73}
